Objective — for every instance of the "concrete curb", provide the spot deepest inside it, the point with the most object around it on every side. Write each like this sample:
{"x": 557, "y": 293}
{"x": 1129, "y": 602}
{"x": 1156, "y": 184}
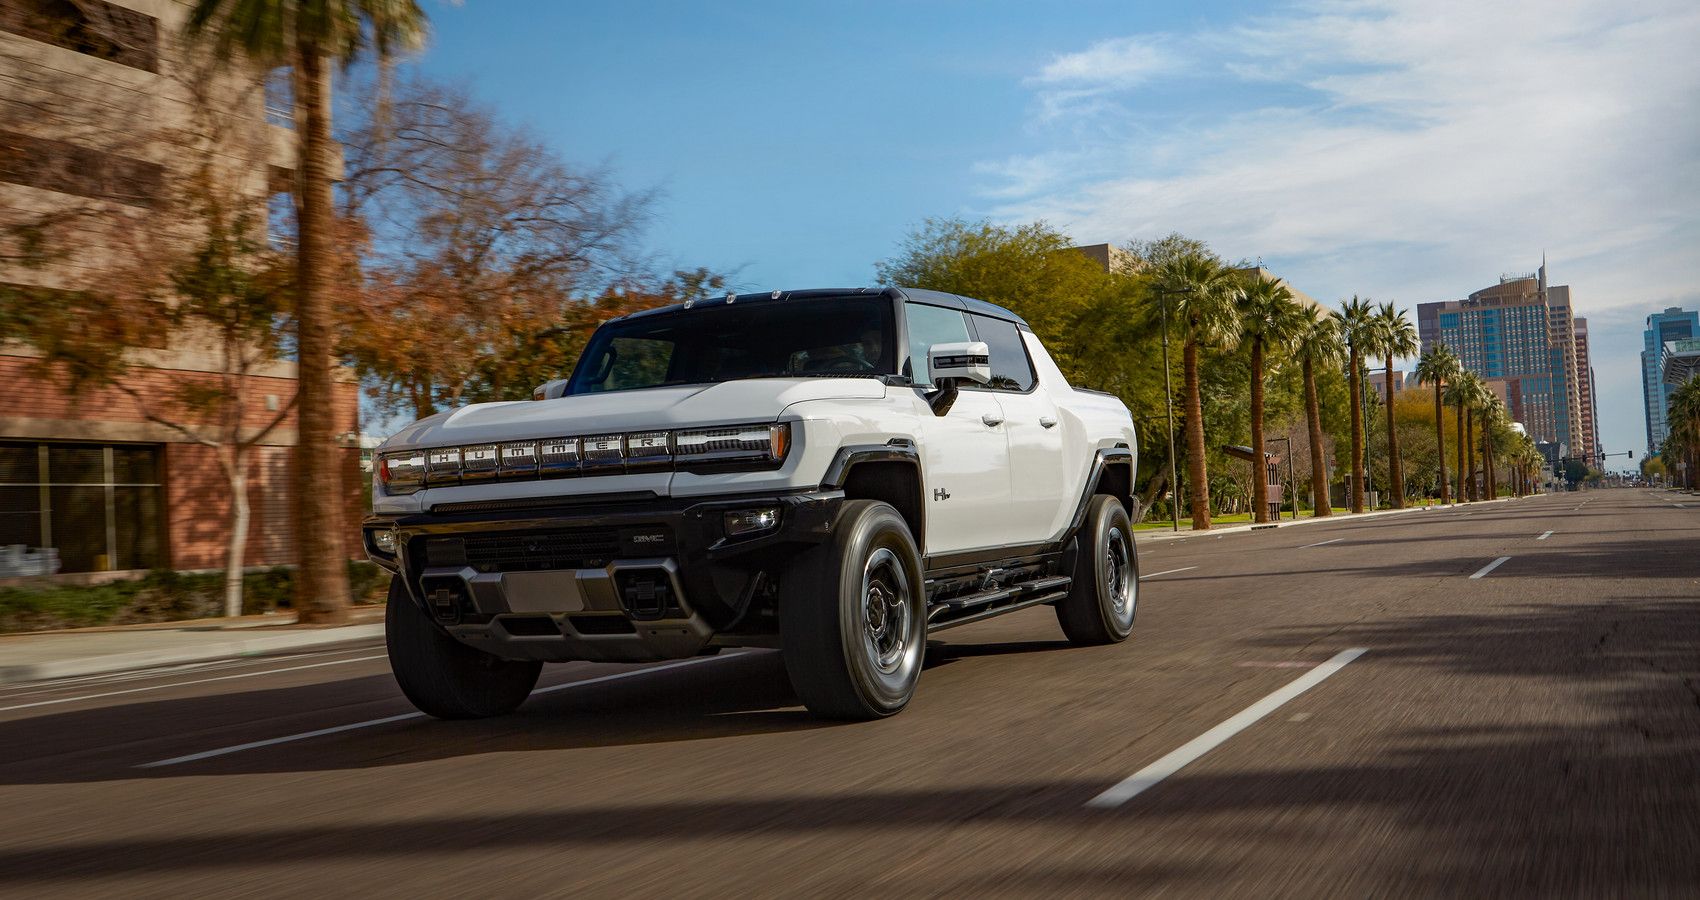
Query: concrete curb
{"x": 223, "y": 647}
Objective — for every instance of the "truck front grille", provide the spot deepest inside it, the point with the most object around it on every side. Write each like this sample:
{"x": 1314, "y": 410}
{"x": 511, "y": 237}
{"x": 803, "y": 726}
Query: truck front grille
{"x": 573, "y": 548}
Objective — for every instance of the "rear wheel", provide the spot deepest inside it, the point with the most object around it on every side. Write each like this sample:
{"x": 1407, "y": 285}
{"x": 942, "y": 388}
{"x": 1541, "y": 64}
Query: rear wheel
{"x": 1100, "y": 604}
{"x": 444, "y": 677}
{"x": 853, "y": 616}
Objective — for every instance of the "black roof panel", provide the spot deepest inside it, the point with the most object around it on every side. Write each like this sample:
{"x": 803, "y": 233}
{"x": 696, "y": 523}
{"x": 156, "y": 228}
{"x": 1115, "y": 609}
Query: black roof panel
{"x": 917, "y": 295}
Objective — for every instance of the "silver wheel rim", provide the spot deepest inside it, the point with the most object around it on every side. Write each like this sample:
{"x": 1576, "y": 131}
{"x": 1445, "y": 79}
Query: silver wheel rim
{"x": 889, "y": 629}
{"x": 886, "y": 612}
{"x": 1121, "y": 585}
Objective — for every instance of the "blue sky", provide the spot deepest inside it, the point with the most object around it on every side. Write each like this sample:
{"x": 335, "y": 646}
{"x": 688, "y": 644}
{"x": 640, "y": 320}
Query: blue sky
{"x": 1402, "y": 149}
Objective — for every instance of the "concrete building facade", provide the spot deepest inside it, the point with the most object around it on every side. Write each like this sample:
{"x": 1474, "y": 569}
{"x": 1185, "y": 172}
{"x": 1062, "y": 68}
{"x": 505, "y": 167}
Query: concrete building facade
{"x": 99, "y": 119}
{"x": 1674, "y": 324}
{"x": 1377, "y": 379}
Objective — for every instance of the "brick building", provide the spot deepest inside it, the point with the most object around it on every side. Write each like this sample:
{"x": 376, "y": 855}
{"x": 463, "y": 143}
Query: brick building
{"x": 86, "y": 88}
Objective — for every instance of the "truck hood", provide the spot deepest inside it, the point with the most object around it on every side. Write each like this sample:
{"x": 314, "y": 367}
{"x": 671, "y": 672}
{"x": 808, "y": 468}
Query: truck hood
{"x": 727, "y": 403}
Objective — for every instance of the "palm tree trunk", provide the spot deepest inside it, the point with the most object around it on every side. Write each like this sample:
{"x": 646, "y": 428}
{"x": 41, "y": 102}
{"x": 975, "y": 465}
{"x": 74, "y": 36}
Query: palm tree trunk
{"x": 1198, "y": 489}
{"x": 1470, "y": 444}
{"x": 321, "y": 582}
{"x": 1357, "y": 388}
{"x": 1440, "y": 441}
{"x": 1395, "y": 469}
{"x": 1493, "y": 473}
{"x": 1318, "y": 468}
{"x": 1463, "y": 490}
{"x": 1259, "y": 467}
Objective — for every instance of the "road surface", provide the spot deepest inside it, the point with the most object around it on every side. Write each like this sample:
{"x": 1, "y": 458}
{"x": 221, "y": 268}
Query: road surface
{"x": 1523, "y": 719}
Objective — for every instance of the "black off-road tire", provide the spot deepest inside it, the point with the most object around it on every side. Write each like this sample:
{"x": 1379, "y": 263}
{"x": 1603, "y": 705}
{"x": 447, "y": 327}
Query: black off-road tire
{"x": 853, "y": 616}
{"x": 1101, "y": 603}
{"x": 444, "y": 677}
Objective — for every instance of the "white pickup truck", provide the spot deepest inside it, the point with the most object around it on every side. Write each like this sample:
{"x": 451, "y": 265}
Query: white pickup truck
{"x": 832, "y": 473}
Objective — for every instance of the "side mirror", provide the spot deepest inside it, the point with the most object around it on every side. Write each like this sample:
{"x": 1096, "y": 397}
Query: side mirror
{"x": 550, "y": 390}
{"x": 949, "y": 364}
{"x": 961, "y": 360}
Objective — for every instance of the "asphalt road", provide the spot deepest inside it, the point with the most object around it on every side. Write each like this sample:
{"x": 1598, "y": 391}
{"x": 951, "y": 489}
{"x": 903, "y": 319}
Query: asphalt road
{"x": 1534, "y": 731}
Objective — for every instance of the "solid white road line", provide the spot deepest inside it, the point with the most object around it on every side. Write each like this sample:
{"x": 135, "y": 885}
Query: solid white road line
{"x": 1491, "y": 566}
{"x": 159, "y": 687}
{"x": 1544, "y": 536}
{"x": 1189, "y": 752}
{"x": 1166, "y": 572}
{"x": 1321, "y": 543}
{"x": 369, "y": 723}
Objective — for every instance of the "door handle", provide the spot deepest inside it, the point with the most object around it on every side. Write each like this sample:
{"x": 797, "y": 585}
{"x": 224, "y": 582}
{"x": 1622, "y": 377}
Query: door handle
{"x": 991, "y": 420}
{"x": 1047, "y": 422}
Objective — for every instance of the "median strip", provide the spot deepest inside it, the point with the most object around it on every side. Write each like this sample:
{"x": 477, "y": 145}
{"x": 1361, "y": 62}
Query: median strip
{"x": 1187, "y": 753}
{"x": 1490, "y": 567}
{"x": 370, "y": 723}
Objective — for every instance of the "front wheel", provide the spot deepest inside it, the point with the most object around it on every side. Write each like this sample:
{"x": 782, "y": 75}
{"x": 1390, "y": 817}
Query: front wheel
{"x": 1100, "y": 603}
{"x": 853, "y": 616}
{"x": 444, "y": 677}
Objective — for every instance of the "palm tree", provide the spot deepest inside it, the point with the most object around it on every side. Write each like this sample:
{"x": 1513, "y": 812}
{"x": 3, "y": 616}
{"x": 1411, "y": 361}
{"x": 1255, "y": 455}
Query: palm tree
{"x": 1208, "y": 317}
{"x": 308, "y": 35}
{"x": 1318, "y": 344}
{"x": 1493, "y": 418}
{"x": 1683, "y": 439}
{"x": 1356, "y": 319}
{"x": 1270, "y": 318}
{"x": 1394, "y": 336}
{"x": 1436, "y": 367}
{"x": 1462, "y": 393}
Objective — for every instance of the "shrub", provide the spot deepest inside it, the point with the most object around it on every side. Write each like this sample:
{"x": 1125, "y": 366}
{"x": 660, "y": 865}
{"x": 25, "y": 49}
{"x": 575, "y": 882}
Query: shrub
{"x": 163, "y": 595}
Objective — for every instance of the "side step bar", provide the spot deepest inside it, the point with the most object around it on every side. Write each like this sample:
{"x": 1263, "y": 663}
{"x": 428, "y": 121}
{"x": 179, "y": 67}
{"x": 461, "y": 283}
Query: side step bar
{"x": 996, "y": 601}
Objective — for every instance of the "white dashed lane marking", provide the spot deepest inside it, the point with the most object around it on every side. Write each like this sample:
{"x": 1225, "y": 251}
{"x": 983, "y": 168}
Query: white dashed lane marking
{"x": 1491, "y": 566}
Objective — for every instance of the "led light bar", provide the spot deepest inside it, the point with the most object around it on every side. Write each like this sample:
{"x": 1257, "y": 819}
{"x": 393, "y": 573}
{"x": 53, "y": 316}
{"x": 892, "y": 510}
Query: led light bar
{"x": 407, "y": 471}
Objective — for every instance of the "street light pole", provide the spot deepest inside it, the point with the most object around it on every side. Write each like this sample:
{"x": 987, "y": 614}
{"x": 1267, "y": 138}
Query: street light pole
{"x": 1169, "y": 409}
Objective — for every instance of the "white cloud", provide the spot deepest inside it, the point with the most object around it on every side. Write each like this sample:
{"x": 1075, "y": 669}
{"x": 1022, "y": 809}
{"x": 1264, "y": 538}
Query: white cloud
{"x": 1408, "y": 149}
{"x": 1118, "y": 62}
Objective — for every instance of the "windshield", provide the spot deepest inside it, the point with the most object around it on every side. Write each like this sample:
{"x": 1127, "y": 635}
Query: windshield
{"x": 765, "y": 339}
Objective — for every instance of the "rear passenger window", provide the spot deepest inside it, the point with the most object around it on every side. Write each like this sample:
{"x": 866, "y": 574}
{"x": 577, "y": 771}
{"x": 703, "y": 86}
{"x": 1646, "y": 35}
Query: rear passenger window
{"x": 1011, "y": 370}
{"x": 929, "y": 325}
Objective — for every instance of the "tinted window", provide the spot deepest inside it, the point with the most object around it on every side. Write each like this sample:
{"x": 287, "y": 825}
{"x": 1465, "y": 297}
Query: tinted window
{"x": 852, "y": 336}
{"x": 929, "y": 325}
{"x": 1011, "y": 371}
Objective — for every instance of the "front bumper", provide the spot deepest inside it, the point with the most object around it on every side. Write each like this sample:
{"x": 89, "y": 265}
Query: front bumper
{"x": 620, "y": 580}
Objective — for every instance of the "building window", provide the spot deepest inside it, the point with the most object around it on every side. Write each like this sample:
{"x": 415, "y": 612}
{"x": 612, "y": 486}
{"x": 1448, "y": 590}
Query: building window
{"x": 280, "y": 97}
{"x": 80, "y": 508}
{"x": 94, "y": 27}
{"x": 68, "y": 168}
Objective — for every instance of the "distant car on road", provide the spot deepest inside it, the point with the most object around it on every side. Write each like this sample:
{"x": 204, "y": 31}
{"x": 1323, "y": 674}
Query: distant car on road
{"x": 833, "y": 473}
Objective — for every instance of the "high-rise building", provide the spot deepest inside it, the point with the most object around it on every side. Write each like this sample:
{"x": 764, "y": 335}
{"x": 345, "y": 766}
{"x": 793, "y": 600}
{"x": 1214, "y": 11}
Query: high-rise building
{"x": 1520, "y": 336}
{"x": 1674, "y": 324}
{"x": 1590, "y": 433}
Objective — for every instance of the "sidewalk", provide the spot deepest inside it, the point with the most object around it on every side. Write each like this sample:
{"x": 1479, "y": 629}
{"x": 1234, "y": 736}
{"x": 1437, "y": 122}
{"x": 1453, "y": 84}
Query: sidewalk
{"x": 97, "y": 651}
{"x": 1147, "y": 535}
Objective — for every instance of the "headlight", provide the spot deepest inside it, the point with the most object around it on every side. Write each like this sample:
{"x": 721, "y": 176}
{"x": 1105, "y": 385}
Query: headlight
{"x": 751, "y": 521}
{"x": 406, "y": 471}
{"x": 402, "y": 473}
{"x": 744, "y": 442}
